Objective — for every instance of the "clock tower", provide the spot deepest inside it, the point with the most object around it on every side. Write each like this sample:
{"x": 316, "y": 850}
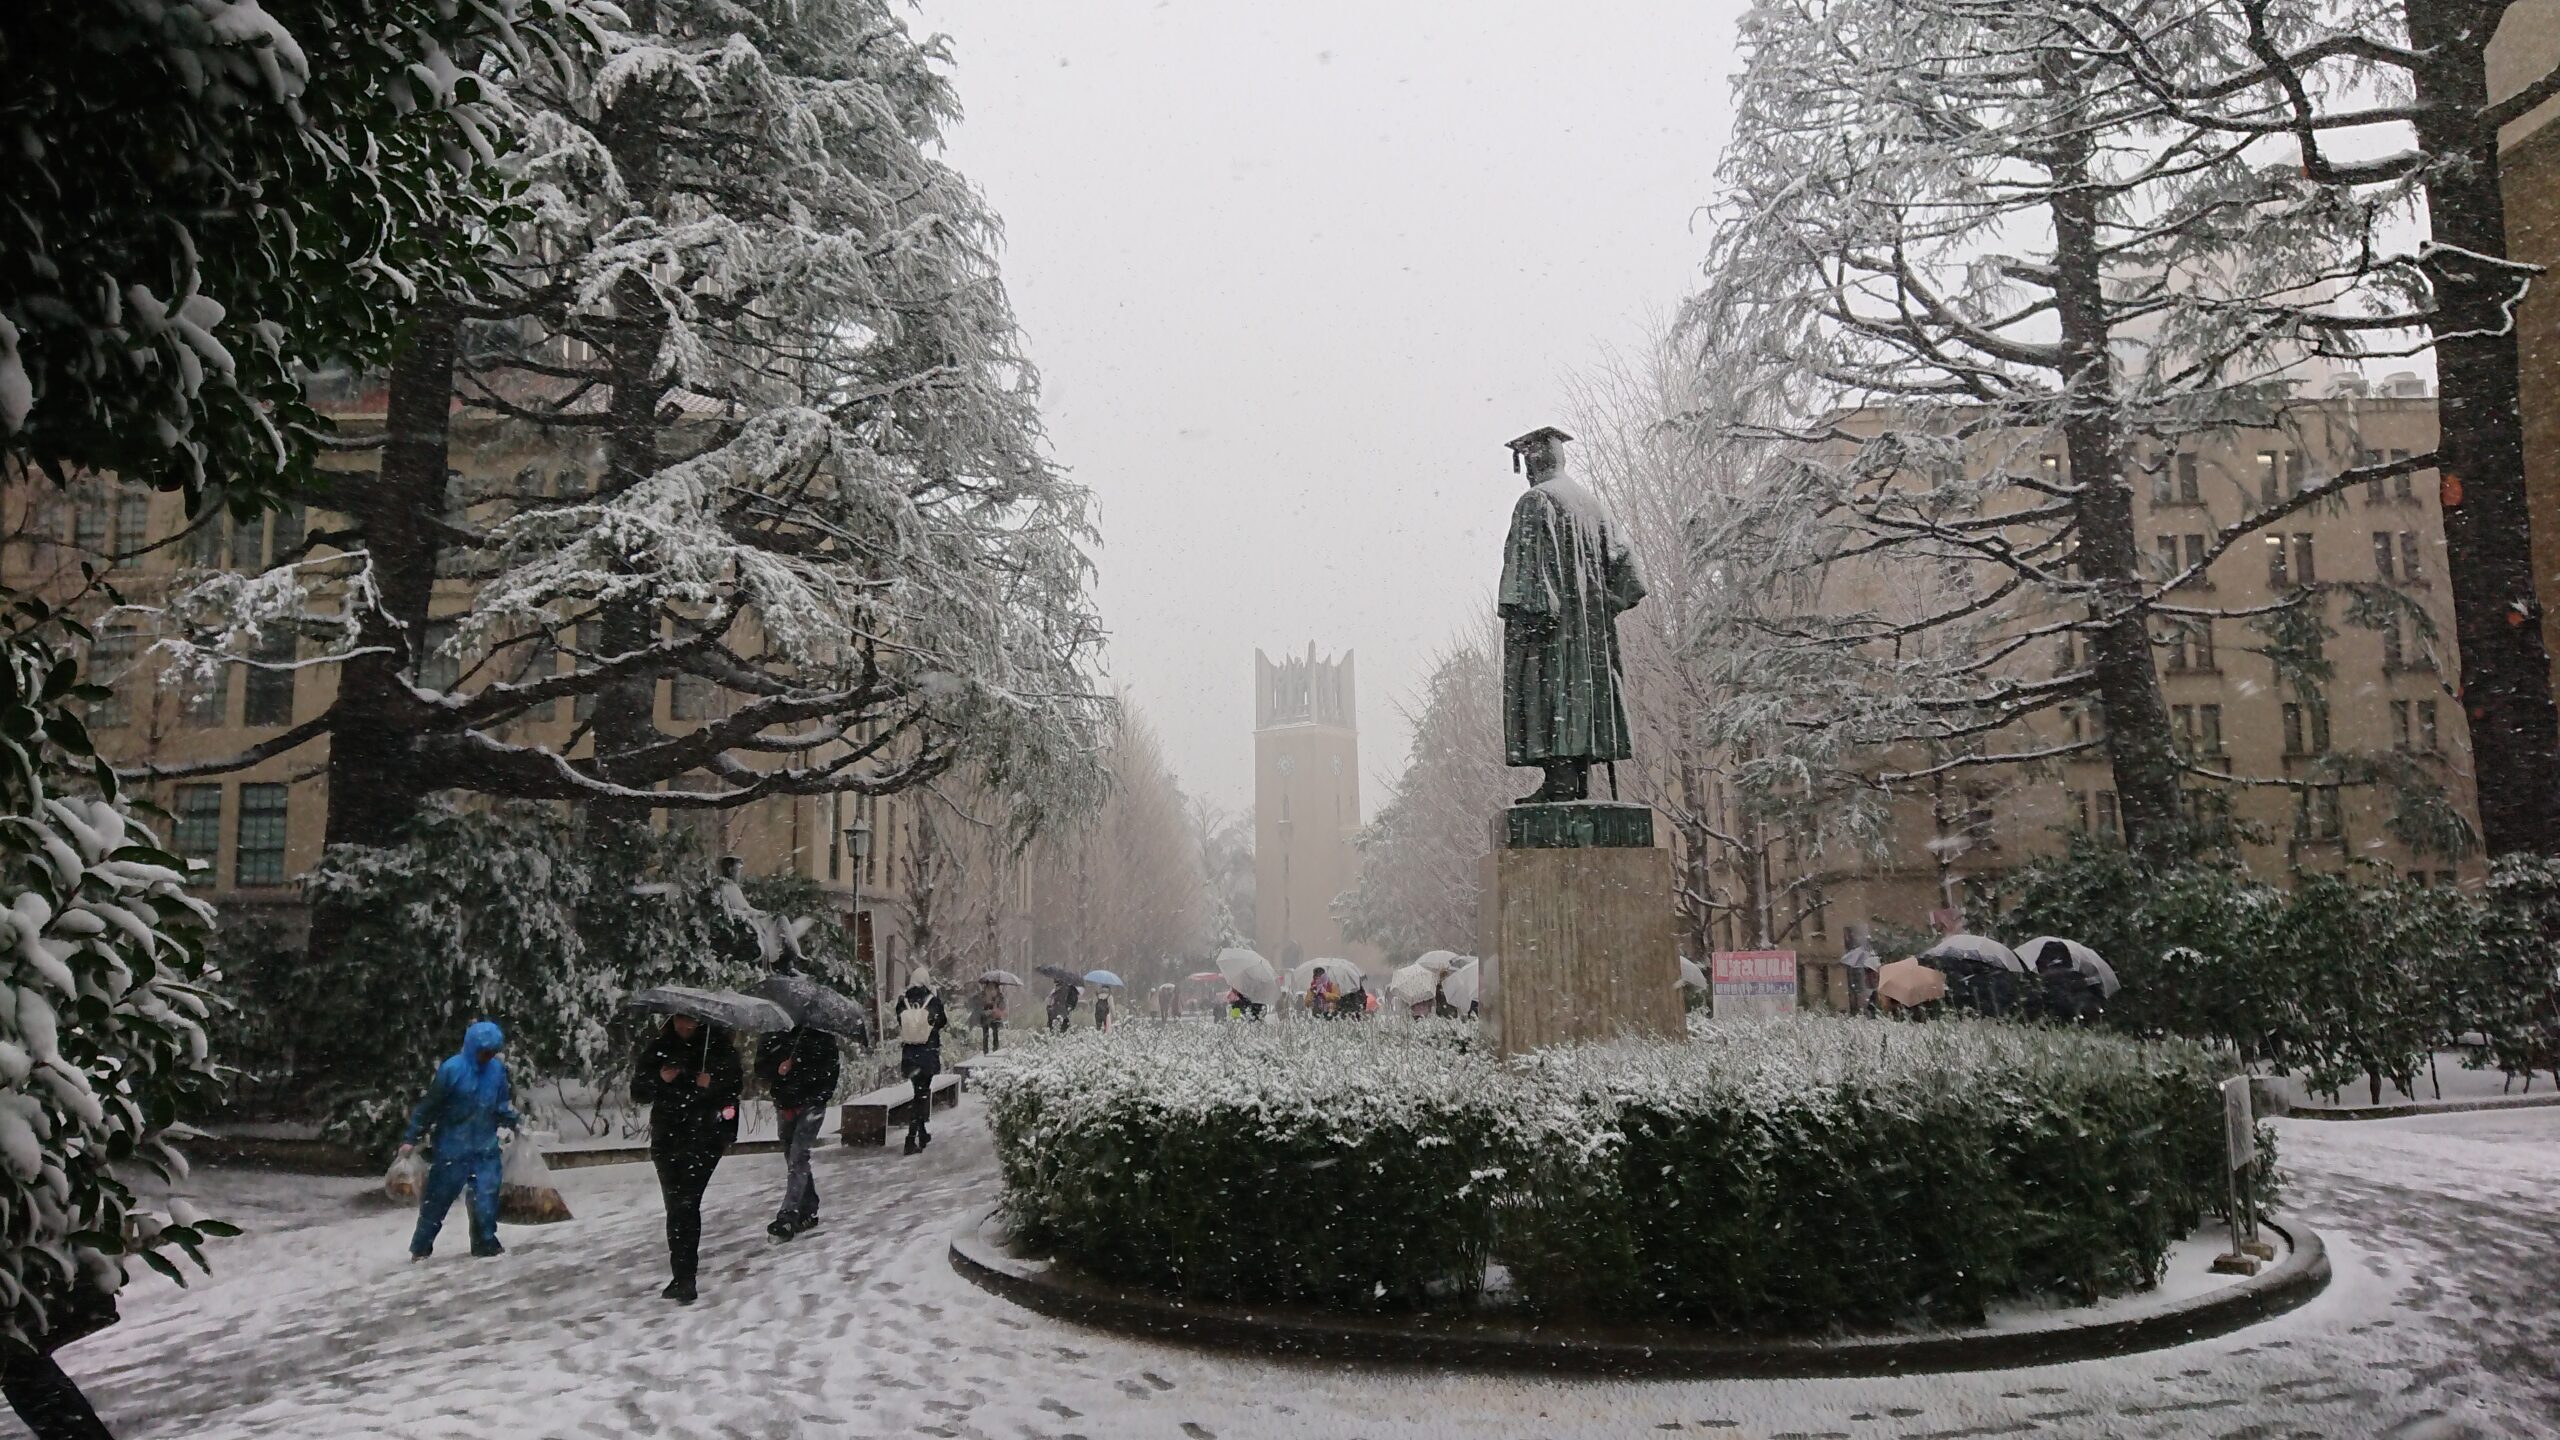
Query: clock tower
{"x": 1306, "y": 807}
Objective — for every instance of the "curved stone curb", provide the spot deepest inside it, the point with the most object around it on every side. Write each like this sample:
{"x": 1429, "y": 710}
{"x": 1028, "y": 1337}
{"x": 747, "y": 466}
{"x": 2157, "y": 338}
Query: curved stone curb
{"x": 2405, "y": 1110}
{"x": 979, "y": 1252}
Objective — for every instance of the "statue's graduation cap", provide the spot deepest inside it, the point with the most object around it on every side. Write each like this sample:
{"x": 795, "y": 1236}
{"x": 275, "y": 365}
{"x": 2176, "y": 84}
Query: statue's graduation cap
{"x": 1534, "y": 438}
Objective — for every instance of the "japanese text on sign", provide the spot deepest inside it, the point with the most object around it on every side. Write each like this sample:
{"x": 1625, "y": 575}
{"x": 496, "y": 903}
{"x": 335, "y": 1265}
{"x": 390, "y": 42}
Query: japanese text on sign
{"x": 1755, "y": 982}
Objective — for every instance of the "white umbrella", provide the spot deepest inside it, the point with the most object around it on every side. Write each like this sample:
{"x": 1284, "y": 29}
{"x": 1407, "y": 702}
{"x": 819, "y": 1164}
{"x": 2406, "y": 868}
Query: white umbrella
{"x": 1413, "y": 985}
{"x": 1250, "y": 975}
{"x": 1340, "y": 972}
{"x": 1981, "y": 950}
{"x": 1438, "y": 962}
{"x": 1862, "y": 958}
{"x": 1692, "y": 976}
{"x": 2075, "y": 955}
{"x": 1460, "y": 992}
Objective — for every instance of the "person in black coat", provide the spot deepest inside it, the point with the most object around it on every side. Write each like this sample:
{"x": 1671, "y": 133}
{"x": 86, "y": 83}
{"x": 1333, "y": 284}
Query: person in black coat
{"x": 689, "y": 1077}
{"x": 919, "y": 1023}
{"x": 799, "y": 1068}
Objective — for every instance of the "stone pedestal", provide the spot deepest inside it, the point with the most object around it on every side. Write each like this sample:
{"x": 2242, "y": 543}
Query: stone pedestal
{"x": 1578, "y": 928}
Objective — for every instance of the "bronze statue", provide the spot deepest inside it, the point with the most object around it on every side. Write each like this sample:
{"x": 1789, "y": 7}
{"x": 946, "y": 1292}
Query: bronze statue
{"x": 1566, "y": 577}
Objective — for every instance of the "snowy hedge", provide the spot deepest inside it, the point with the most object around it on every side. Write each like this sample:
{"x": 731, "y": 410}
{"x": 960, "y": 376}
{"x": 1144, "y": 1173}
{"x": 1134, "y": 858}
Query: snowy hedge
{"x": 1793, "y": 1174}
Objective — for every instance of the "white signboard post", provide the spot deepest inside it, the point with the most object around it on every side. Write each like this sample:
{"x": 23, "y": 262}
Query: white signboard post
{"x": 1754, "y": 982}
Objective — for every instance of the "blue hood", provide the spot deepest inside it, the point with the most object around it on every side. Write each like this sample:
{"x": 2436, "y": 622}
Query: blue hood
{"x": 482, "y": 1038}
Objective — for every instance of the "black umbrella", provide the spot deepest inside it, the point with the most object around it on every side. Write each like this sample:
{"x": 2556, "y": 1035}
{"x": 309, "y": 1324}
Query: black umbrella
{"x": 809, "y": 1003}
{"x": 725, "y": 1008}
{"x": 1055, "y": 972}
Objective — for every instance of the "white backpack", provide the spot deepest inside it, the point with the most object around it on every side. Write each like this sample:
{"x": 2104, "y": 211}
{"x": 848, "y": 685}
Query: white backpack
{"x": 915, "y": 1024}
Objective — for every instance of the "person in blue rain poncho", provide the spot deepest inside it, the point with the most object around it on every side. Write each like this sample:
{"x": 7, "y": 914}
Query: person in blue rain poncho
{"x": 466, "y": 1104}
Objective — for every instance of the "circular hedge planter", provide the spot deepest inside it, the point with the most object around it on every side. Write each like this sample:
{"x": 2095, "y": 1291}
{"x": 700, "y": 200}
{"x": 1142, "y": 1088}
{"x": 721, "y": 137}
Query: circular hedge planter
{"x": 1802, "y": 1176}
{"x": 982, "y": 1252}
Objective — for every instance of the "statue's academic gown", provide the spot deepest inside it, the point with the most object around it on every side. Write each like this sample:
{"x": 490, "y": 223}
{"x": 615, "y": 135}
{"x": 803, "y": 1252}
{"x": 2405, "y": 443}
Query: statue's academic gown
{"x": 1566, "y": 576}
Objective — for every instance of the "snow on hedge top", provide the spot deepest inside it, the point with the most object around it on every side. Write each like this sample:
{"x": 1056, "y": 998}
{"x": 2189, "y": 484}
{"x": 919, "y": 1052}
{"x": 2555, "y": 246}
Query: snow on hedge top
{"x": 1358, "y": 1078}
{"x": 1349, "y": 1079}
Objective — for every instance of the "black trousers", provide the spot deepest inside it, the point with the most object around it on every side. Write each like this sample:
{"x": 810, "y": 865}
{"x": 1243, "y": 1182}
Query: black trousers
{"x": 682, "y": 1177}
{"x": 47, "y": 1400}
{"x": 990, "y": 1035}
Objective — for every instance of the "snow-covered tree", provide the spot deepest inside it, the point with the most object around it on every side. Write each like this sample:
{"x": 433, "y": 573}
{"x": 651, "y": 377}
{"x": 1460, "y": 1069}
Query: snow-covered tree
{"x": 2372, "y": 100}
{"x": 175, "y": 167}
{"x": 1125, "y": 890}
{"x": 1971, "y": 282}
{"x": 1419, "y": 884}
{"x": 102, "y": 1033}
{"x": 775, "y": 470}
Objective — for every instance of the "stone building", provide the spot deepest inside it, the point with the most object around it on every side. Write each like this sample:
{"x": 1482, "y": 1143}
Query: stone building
{"x": 2387, "y": 703}
{"x": 258, "y": 828}
{"x": 1306, "y": 807}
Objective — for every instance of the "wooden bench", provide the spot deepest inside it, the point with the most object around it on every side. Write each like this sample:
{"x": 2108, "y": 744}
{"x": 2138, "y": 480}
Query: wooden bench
{"x": 868, "y": 1119}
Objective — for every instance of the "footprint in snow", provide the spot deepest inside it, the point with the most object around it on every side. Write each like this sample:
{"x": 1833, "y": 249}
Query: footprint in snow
{"x": 1061, "y": 1410}
{"x": 1155, "y": 1379}
{"x": 1198, "y": 1432}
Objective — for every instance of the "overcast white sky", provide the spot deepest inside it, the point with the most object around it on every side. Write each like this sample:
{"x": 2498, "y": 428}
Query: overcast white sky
{"x": 1294, "y": 272}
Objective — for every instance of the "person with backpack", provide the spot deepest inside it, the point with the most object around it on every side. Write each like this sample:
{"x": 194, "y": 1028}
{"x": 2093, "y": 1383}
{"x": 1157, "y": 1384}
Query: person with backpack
{"x": 799, "y": 1068}
{"x": 467, "y": 1103}
{"x": 690, "y": 1078}
{"x": 920, "y": 1021}
{"x": 1101, "y": 1009}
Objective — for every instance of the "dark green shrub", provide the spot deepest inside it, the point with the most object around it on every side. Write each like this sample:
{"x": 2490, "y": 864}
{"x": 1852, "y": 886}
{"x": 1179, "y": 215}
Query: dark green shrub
{"x": 1796, "y": 1174}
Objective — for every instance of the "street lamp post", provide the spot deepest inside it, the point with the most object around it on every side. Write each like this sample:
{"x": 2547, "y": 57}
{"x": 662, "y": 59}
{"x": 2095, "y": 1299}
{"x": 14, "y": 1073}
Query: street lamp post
{"x": 857, "y": 845}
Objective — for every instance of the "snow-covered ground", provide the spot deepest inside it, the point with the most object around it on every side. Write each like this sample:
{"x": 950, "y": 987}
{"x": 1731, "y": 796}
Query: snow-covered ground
{"x": 2444, "y": 1321}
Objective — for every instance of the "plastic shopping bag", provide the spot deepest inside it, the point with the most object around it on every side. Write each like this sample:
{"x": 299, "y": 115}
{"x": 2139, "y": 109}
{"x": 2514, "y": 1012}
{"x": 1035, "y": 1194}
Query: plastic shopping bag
{"x": 406, "y": 1179}
{"x": 526, "y": 1195}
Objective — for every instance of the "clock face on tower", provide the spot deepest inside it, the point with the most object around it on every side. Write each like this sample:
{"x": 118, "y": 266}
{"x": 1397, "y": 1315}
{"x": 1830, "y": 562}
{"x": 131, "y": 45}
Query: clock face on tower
{"x": 1337, "y": 765}
{"x": 1288, "y": 764}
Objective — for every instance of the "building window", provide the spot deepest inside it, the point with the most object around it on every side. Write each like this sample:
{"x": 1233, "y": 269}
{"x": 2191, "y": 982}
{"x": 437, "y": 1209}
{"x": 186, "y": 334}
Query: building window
{"x": 2088, "y": 722}
{"x": 133, "y": 523}
{"x": 2189, "y": 491}
{"x": 197, "y": 831}
{"x": 111, "y": 658}
{"x": 2399, "y": 724}
{"x": 257, "y": 837}
{"x": 266, "y": 690}
{"x": 289, "y": 525}
{"x": 2281, "y": 473}
{"x": 2279, "y": 576}
{"x": 2199, "y": 726}
{"x": 2110, "y": 823}
{"x": 2190, "y": 645}
{"x": 689, "y": 697}
{"x": 2409, "y": 574}
{"x": 2319, "y": 813}
{"x": 89, "y": 518}
{"x": 2401, "y": 489}
{"x": 2306, "y": 729}
{"x": 208, "y": 699}
{"x": 204, "y": 542}
{"x": 2428, "y": 738}
{"x": 439, "y": 667}
{"x": 2304, "y": 572}
{"x": 589, "y": 635}
{"x": 249, "y": 544}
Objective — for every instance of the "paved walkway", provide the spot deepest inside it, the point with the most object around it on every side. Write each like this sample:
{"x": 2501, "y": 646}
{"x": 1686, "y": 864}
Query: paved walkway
{"x": 2444, "y": 1322}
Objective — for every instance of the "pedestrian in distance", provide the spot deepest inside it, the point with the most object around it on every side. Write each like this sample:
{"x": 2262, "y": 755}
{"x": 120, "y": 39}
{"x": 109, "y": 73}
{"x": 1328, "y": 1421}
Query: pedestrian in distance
{"x": 990, "y": 1016}
{"x": 1321, "y": 994}
{"x": 1101, "y": 1009}
{"x": 920, "y": 1021}
{"x": 799, "y": 1068}
{"x": 466, "y": 1104}
{"x": 689, "y": 1077}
